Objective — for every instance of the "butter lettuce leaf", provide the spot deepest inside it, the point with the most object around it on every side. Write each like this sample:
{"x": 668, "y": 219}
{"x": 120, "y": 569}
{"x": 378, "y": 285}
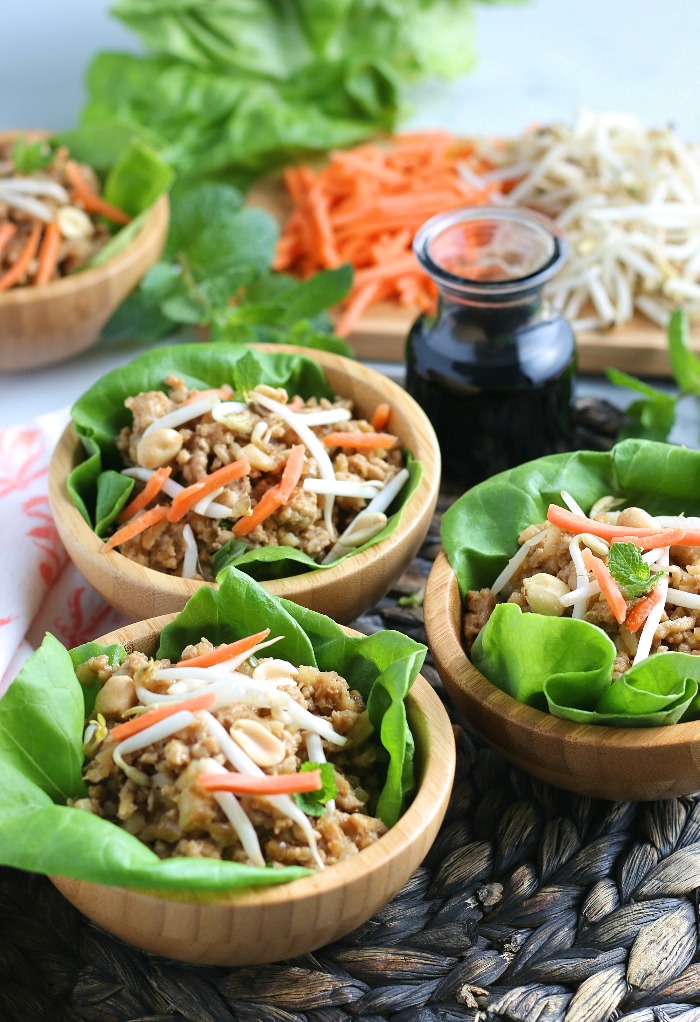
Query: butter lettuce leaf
{"x": 562, "y": 665}
{"x": 41, "y": 753}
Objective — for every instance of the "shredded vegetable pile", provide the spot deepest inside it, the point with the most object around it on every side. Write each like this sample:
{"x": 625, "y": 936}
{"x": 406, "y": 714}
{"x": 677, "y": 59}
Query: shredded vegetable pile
{"x": 628, "y": 199}
{"x": 634, "y": 576}
{"x": 231, "y": 757}
{"x": 364, "y": 207}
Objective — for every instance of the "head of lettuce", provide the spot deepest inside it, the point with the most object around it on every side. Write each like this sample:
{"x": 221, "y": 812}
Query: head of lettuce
{"x": 557, "y": 664}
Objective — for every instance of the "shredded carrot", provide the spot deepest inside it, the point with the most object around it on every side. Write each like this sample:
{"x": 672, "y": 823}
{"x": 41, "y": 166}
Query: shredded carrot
{"x": 292, "y": 472}
{"x": 265, "y": 784}
{"x": 136, "y": 526}
{"x": 91, "y": 201}
{"x": 48, "y": 254}
{"x": 381, "y": 417}
{"x": 6, "y": 232}
{"x": 223, "y": 392}
{"x": 205, "y": 701}
{"x": 17, "y": 271}
{"x": 570, "y": 522}
{"x": 266, "y": 506}
{"x": 608, "y": 585}
{"x": 362, "y": 441}
{"x": 669, "y": 537}
{"x": 296, "y": 403}
{"x": 640, "y": 612}
{"x": 192, "y": 495}
{"x": 225, "y": 652}
{"x": 364, "y": 208}
{"x": 152, "y": 488}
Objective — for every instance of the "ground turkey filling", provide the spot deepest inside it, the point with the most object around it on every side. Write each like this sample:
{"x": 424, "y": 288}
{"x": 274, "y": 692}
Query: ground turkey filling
{"x": 678, "y": 630}
{"x": 174, "y": 816}
{"x": 203, "y": 445}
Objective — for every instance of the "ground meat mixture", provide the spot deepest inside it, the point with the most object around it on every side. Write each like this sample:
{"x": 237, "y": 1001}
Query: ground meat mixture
{"x": 153, "y": 793}
{"x": 549, "y": 563}
{"x": 202, "y": 445}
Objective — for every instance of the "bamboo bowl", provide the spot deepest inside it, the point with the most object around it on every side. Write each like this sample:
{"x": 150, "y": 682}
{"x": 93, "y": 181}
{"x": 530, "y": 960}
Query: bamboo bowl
{"x": 47, "y": 324}
{"x": 342, "y": 592}
{"x": 269, "y": 924}
{"x": 638, "y": 764}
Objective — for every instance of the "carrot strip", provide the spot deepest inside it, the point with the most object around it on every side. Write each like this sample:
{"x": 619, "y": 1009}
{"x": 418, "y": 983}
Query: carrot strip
{"x": 255, "y": 784}
{"x": 362, "y": 441}
{"x": 6, "y": 232}
{"x": 608, "y": 585}
{"x": 152, "y": 488}
{"x": 669, "y": 537}
{"x": 136, "y": 526}
{"x": 266, "y": 506}
{"x": 292, "y": 472}
{"x": 48, "y": 254}
{"x": 361, "y": 298}
{"x": 380, "y": 417}
{"x": 197, "y": 395}
{"x": 205, "y": 701}
{"x": 192, "y": 495}
{"x": 640, "y": 612}
{"x": 21, "y": 265}
{"x": 575, "y": 524}
{"x": 225, "y": 652}
{"x": 92, "y": 202}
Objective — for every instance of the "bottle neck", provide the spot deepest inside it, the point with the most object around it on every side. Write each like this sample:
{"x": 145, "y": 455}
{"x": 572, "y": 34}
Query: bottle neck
{"x": 492, "y": 321}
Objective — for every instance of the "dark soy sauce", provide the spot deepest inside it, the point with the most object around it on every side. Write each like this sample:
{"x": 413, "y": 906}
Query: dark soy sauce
{"x": 496, "y": 385}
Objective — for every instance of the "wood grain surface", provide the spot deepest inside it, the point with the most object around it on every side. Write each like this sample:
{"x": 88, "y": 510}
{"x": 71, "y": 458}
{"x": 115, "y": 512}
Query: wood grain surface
{"x": 50, "y": 323}
{"x": 269, "y": 924}
{"x": 343, "y": 592}
{"x": 603, "y": 762}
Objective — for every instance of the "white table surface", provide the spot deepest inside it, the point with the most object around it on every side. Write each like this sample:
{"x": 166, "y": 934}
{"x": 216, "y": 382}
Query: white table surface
{"x": 539, "y": 61}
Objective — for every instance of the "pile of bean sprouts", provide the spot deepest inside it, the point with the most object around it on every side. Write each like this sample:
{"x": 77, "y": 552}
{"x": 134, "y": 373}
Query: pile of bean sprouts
{"x": 628, "y": 199}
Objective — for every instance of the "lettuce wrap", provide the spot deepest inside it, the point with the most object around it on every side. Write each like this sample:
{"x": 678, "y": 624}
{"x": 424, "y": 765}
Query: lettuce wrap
{"x": 100, "y": 492}
{"x": 41, "y": 745}
{"x": 558, "y": 664}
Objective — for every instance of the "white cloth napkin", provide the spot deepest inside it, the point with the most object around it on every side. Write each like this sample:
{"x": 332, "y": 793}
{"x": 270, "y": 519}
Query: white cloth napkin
{"x": 40, "y": 589}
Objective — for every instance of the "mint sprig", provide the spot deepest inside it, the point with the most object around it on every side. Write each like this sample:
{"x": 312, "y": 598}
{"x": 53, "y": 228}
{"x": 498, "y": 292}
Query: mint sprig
{"x": 630, "y": 571}
{"x": 313, "y": 803}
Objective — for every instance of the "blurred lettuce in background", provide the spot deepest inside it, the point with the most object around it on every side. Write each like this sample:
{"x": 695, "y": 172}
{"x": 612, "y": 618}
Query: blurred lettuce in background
{"x": 242, "y": 86}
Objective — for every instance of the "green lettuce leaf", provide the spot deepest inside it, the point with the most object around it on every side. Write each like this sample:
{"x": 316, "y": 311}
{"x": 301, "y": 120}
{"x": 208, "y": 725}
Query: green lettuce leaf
{"x": 41, "y": 755}
{"x": 100, "y": 414}
{"x": 559, "y": 664}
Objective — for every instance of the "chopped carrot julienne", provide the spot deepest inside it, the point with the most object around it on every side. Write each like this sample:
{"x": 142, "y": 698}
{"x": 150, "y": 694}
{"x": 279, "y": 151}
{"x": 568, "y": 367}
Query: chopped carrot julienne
{"x": 669, "y": 537}
{"x": 17, "y": 271}
{"x": 225, "y": 652}
{"x": 570, "y": 522}
{"x": 256, "y": 784}
{"x": 367, "y": 441}
{"x": 6, "y": 232}
{"x": 276, "y": 496}
{"x": 91, "y": 201}
{"x": 641, "y": 611}
{"x": 292, "y": 472}
{"x": 192, "y": 495}
{"x": 608, "y": 585}
{"x": 197, "y": 395}
{"x": 152, "y": 488}
{"x": 135, "y": 526}
{"x": 381, "y": 417}
{"x": 205, "y": 701}
{"x": 48, "y": 254}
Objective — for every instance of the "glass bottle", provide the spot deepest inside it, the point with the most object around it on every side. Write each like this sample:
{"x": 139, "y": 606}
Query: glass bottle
{"x": 494, "y": 367}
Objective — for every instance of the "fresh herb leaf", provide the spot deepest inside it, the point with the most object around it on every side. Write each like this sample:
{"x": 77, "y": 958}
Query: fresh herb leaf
{"x": 630, "y": 571}
{"x": 313, "y": 803}
{"x": 651, "y": 417}
{"x": 30, "y": 156}
{"x": 246, "y": 374}
{"x": 684, "y": 363}
{"x": 228, "y": 554}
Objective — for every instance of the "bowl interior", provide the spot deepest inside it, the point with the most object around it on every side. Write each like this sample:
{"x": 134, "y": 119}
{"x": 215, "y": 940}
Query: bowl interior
{"x": 603, "y": 762}
{"x": 342, "y": 591}
{"x": 269, "y": 924}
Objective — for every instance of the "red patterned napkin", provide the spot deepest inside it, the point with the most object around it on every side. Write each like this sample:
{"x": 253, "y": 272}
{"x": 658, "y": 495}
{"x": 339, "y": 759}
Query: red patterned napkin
{"x": 41, "y": 591}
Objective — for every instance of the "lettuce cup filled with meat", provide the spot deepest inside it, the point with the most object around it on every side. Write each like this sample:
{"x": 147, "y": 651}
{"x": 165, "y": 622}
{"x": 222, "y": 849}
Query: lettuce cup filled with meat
{"x": 301, "y": 472}
{"x": 206, "y": 759}
{"x": 568, "y": 597}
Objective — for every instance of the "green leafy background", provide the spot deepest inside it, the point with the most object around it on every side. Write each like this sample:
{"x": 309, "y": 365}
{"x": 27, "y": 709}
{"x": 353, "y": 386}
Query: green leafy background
{"x": 41, "y": 726}
{"x": 559, "y": 664}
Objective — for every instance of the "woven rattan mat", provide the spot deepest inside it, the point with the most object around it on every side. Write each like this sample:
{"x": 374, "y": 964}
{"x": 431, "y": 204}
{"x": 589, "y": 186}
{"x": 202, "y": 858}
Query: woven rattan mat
{"x": 533, "y": 906}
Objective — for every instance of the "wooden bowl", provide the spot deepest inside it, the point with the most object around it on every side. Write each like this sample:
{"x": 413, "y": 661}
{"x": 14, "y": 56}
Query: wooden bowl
{"x": 341, "y": 592}
{"x": 619, "y": 763}
{"x": 50, "y": 323}
{"x": 273, "y": 923}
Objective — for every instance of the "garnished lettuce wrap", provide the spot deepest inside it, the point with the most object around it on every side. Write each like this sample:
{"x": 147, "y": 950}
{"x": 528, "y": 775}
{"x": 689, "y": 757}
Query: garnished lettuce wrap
{"x": 41, "y": 739}
{"x": 559, "y": 664}
{"x": 102, "y": 486}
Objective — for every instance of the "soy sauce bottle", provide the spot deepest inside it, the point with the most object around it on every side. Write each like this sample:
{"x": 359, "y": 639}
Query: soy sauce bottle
{"x": 494, "y": 368}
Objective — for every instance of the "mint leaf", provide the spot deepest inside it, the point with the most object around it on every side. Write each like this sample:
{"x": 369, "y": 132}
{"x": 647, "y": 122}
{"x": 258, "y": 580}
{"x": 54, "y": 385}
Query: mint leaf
{"x": 684, "y": 363}
{"x": 631, "y": 573}
{"x": 30, "y": 156}
{"x": 246, "y": 374}
{"x": 650, "y": 418}
{"x": 313, "y": 803}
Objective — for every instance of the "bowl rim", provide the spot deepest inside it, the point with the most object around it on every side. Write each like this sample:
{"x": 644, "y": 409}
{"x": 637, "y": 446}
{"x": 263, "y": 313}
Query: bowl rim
{"x": 433, "y": 790}
{"x": 290, "y": 585}
{"x": 443, "y": 602}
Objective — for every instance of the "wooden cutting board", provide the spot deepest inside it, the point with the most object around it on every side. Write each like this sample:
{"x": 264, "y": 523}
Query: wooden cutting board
{"x": 638, "y": 347}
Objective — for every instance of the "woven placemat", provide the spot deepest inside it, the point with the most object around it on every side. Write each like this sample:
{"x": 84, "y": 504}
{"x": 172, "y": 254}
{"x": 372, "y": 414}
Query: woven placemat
{"x": 533, "y": 905}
